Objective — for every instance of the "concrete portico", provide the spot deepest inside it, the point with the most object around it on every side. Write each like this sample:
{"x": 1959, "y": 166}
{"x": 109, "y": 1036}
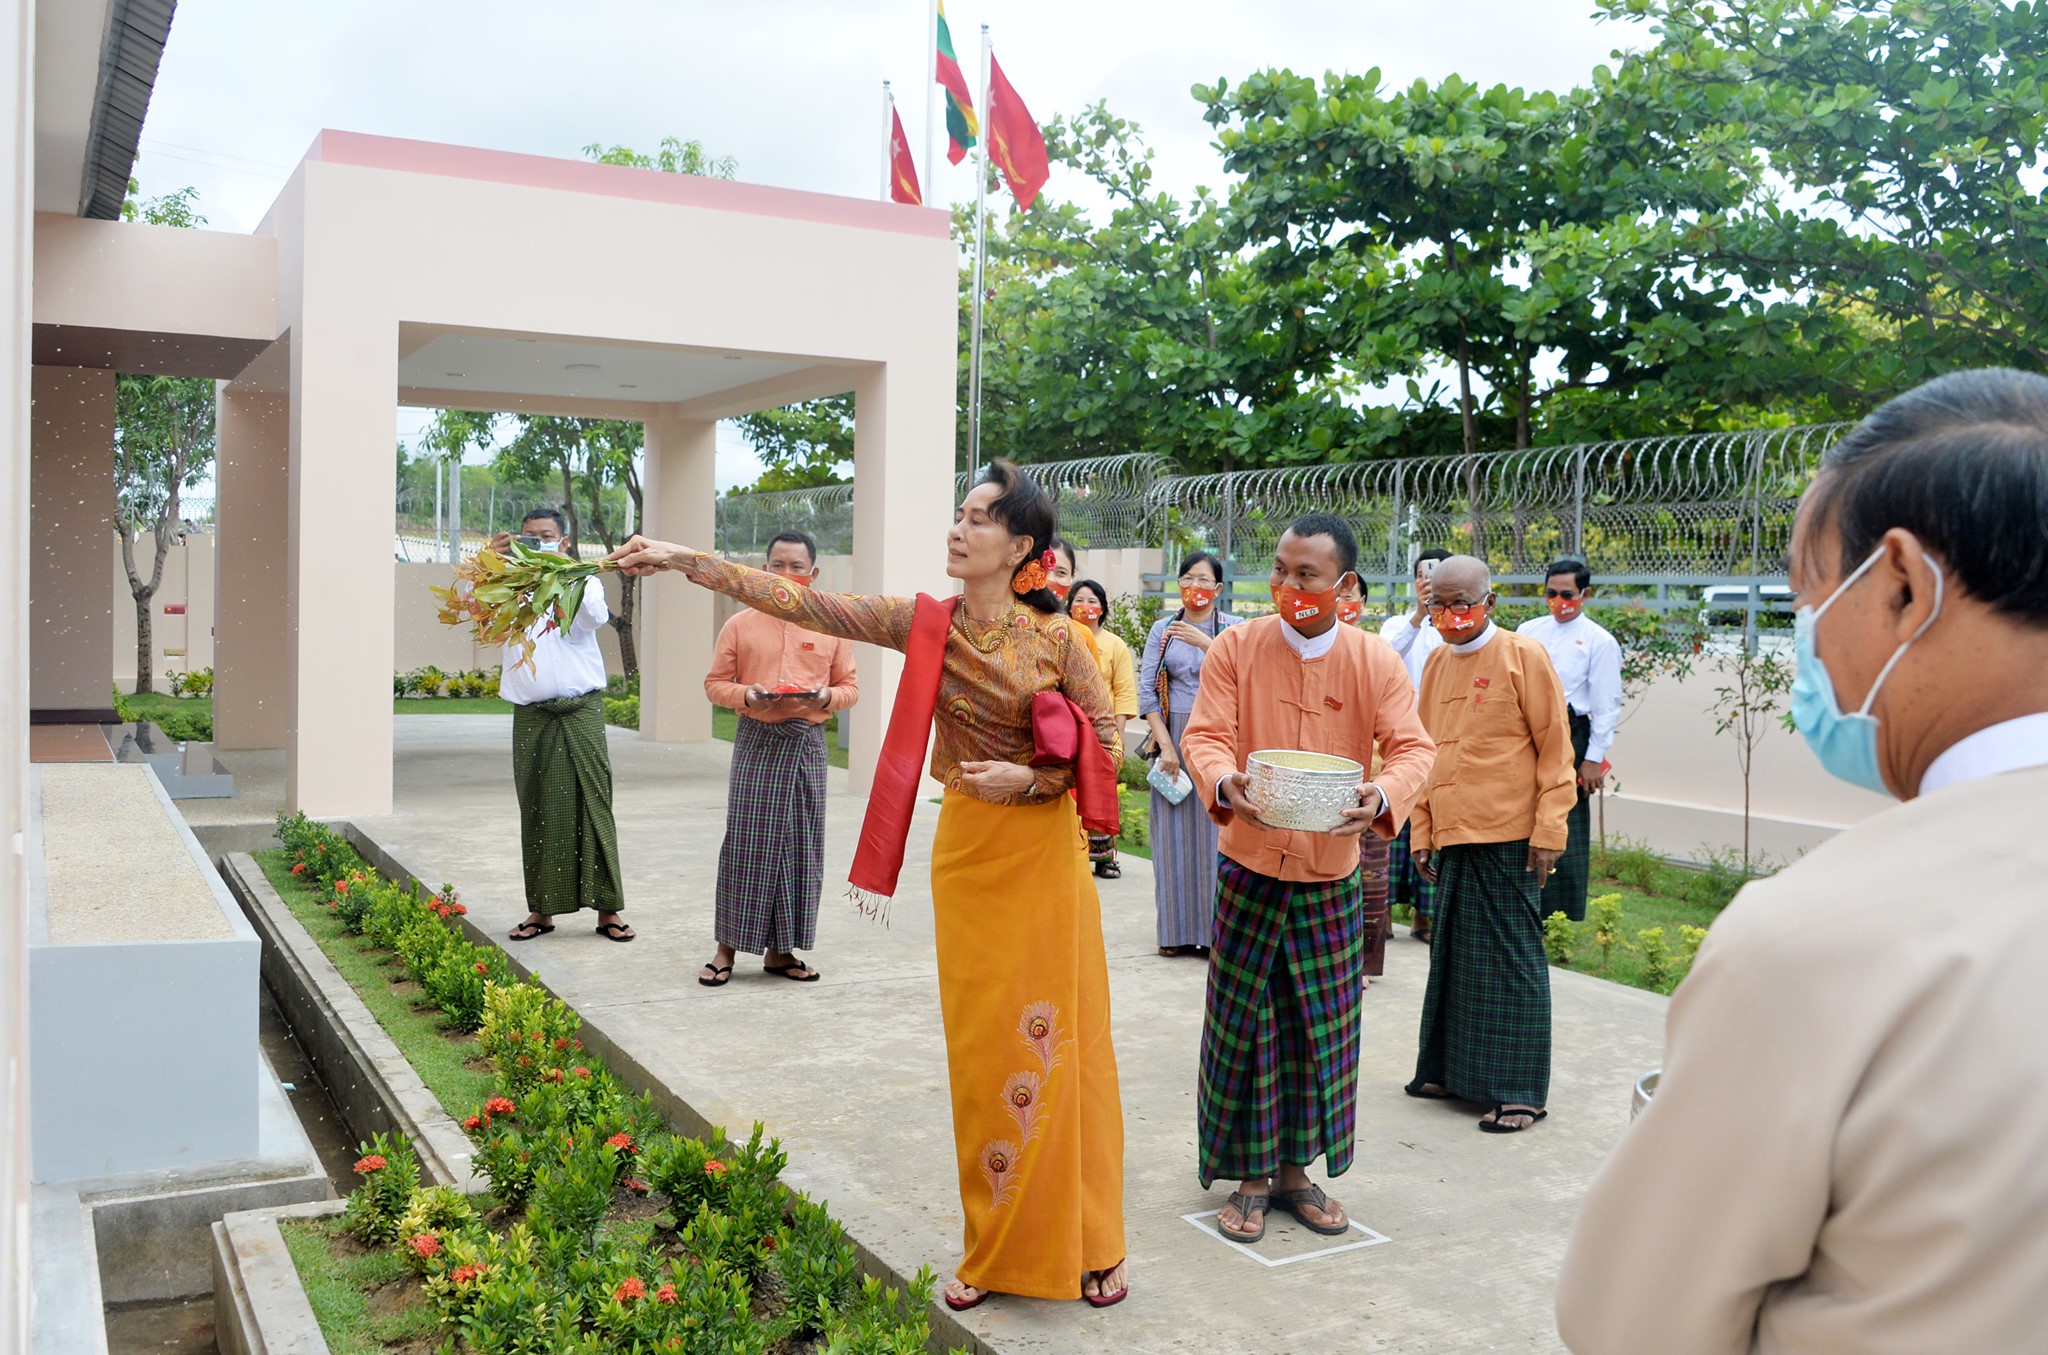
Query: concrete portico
{"x": 396, "y": 273}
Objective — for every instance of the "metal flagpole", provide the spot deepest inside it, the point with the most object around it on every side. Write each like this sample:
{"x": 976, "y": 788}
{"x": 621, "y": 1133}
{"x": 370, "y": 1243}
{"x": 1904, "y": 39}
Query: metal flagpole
{"x": 888, "y": 141}
{"x": 932, "y": 117}
{"x": 980, "y": 272}
{"x": 455, "y": 508}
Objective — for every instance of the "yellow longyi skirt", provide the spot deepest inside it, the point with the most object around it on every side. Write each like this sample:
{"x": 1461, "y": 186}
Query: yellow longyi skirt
{"x": 1024, "y": 987}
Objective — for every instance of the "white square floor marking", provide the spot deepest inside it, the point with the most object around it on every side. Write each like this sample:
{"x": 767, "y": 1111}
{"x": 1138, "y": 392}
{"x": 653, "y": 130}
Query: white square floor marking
{"x": 1206, "y": 1223}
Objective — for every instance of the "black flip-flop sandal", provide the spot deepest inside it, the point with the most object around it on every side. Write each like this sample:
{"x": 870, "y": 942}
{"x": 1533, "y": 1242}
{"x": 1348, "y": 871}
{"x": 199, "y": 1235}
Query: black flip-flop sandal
{"x": 784, "y": 971}
{"x": 1494, "y": 1126}
{"x": 721, "y": 974}
{"x": 1293, "y": 1201}
{"x": 1108, "y": 870}
{"x": 526, "y": 931}
{"x": 615, "y": 931}
{"x": 1246, "y": 1206}
{"x": 1421, "y": 1091}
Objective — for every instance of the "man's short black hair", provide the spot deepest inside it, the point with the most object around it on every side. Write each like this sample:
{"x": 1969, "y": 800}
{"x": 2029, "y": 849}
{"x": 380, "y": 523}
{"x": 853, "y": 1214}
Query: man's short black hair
{"x": 1433, "y": 553}
{"x": 796, "y": 538}
{"x": 553, "y": 515}
{"x": 1337, "y": 529}
{"x": 1576, "y": 568}
{"x": 1962, "y": 463}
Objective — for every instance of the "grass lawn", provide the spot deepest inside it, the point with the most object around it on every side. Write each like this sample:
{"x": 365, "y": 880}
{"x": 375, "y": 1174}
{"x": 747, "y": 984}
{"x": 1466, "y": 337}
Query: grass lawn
{"x": 451, "y": 705}
{"x": 419, "y": 1032}
{"x": 346, "y": 1284}
{"x": 1653, "y": 894}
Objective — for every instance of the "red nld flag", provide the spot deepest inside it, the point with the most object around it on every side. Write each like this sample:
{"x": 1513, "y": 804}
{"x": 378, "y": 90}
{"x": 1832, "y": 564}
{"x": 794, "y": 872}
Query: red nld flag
{"x": 1014, "y": 141}
{"x": 902, "y": 169}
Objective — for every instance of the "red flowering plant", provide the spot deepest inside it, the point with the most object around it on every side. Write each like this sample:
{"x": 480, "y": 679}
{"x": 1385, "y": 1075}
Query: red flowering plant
{"x": 388, "y": 1177}
{"x": 436, "y": 1216}
{"x": 521, "y": 1022}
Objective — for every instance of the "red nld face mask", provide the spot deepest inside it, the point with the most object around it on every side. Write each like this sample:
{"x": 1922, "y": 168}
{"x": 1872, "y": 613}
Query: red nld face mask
{"x": 1299, "y": 607}
{"x": 1087, "y": 613}
{"x": 1458, "y": 624}
{"x": 1059, "y": 590}
{"x": 1564, "y": 609}
{"x": 1348, "y": 612}
{"x": 1196, "y": 599}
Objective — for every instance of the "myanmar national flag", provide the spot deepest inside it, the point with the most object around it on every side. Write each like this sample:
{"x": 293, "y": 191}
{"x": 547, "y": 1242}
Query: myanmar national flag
{"x": 1014, "y": 141}
{"x": 962, "y": 127}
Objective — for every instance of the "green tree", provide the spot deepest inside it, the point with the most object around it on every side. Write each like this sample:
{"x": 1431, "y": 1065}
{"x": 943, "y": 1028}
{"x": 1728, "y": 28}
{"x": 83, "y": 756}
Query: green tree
{"x": 1147, "y": 332}
{"x": 598, "y": 458}
{"x": 801, "y": 446}
{"x": 1907, "y": 138}
{"x": 1544, "y": 248}
{"x": 163, "y": 446}
{"x": 675, "y": 156}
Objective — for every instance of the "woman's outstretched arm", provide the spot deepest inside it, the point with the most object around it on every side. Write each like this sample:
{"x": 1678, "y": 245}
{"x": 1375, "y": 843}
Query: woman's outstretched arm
{"x": 873, "y": 620}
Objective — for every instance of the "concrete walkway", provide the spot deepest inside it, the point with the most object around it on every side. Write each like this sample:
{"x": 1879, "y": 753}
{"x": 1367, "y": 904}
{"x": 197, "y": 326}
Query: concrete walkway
{"x": 850, "y": 1074}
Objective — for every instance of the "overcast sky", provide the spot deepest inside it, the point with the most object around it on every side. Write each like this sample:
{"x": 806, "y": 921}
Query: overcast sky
{"x": 790, "y": 88}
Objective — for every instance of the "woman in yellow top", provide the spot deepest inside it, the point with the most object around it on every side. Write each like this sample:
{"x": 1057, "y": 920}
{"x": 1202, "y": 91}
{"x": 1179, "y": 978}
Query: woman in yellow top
{"x": 1023, "y": 981}
{"x": 1088, "y": 603}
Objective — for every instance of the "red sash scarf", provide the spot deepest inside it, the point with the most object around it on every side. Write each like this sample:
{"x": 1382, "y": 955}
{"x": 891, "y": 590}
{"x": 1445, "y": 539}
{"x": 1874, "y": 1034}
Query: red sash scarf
{"x": 878, "y": 860}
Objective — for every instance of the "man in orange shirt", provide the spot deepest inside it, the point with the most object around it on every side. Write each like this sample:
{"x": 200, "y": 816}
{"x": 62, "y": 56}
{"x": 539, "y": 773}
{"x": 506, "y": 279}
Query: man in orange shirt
{"x": 1279, "y": 1073}
{"x": 1487, "y": 831}
{"x": 785, "y": 682}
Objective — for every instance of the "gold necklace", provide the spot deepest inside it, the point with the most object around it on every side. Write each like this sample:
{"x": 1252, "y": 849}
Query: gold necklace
{"x": 987, "y": 636}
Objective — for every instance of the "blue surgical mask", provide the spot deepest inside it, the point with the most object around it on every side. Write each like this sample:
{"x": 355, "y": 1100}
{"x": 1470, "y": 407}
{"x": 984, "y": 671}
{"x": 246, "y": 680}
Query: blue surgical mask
{"x": 1845, "y": 744}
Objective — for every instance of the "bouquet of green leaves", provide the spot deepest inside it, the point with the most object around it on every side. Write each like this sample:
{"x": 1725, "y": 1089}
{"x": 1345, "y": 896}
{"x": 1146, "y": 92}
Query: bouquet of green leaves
{"x": 503, "y": 596}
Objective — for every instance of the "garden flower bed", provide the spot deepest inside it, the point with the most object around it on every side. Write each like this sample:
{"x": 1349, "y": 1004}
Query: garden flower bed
{"x": 601, "y": 1230}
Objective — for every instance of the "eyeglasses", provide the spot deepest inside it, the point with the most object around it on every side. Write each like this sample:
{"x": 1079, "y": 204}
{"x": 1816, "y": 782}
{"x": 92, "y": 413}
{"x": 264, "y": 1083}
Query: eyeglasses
{"x": 1194, "y": 581}
{"x": 1435, "y": 607}
{"x": 1567, "y": 594}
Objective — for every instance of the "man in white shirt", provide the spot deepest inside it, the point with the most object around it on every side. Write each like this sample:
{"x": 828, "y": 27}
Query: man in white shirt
{"x": 561, "y": 768}
{"x": 1848, "y": 1148}
{"x": 1588, "y": 661}
{"x": 1414, "y": 639}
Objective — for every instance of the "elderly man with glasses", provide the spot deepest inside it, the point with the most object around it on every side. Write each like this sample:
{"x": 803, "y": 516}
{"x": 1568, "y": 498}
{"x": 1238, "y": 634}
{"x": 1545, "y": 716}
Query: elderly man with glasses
{"x": 1588, "y": 662}
{"x": 1848, "y": 1148}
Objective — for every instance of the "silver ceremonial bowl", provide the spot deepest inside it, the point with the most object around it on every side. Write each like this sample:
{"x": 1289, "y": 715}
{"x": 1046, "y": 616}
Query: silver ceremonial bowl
{"x": 1308, "y": 792}
{"x": 1640, "y": 1094}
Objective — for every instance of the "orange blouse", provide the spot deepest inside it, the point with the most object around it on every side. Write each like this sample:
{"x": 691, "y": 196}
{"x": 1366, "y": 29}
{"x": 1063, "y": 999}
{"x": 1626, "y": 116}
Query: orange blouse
{"x": 991, "y": 670}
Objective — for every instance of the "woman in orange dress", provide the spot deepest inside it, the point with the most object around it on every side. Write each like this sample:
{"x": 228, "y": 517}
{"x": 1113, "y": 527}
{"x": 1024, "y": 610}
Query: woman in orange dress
{"x": 1037, "y": 1119}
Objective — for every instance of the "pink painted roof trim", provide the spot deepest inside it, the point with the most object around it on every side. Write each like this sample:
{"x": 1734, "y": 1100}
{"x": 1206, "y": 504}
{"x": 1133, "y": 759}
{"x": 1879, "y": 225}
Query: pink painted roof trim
{"x": 617, "y": 181}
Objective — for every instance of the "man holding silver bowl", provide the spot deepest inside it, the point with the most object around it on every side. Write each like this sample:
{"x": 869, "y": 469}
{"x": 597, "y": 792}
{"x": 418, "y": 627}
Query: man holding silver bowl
{"x": 1291, "y": 709}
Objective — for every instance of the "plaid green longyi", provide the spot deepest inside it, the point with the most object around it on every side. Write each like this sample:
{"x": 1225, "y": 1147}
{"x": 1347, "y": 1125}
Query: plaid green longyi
{"x": 1280, "y": 1030}
{"x": 1486, "y": 1012}
{"x": 562, "y": 771}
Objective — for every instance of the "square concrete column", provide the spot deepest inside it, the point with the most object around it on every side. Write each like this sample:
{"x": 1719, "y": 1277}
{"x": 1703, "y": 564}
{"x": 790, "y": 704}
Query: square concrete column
{"x": 71, "y": 519}
{"x": 252, "y": 480}
{"x": 903, "y": 464}
{"x": 676, "y": 630}
{"x": 340, "y": 623}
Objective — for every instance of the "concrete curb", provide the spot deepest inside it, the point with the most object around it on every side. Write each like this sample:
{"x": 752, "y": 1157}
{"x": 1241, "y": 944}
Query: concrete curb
{"x": 947, "y": 1332}
{"x": 259, "y": 1303}
{"x": 372, "y": 1085}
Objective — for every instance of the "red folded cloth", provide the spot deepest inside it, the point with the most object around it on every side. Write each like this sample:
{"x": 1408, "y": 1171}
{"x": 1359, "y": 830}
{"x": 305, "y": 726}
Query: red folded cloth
{"x": 1062, "y": 733}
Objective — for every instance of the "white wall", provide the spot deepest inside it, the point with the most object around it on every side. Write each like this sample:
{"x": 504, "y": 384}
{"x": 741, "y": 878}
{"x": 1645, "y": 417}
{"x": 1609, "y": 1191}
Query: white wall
{"x": 17, "y": 164}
